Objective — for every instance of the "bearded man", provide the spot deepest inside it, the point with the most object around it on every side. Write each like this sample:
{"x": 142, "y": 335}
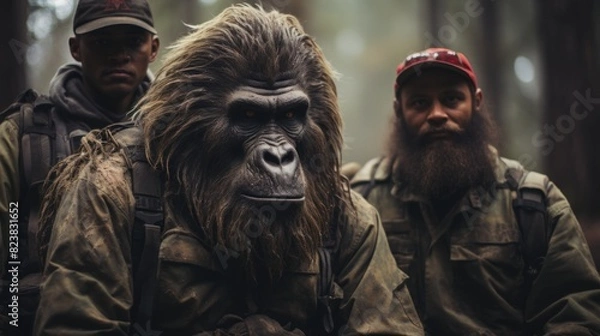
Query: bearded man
{"x": 243, "y": 130}
{"x": 490, "y": 248}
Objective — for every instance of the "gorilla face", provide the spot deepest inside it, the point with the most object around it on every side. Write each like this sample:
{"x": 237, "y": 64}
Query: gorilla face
{"x": 267, "y": 122}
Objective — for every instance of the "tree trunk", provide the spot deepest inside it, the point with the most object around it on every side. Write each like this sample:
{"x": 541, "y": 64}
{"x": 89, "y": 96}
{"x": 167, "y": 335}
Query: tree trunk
{"x": 433, "y": 16}
{"x": 570, "y": 130}
{"x": 492, "y": 61}
{"x": 13, "y": 39}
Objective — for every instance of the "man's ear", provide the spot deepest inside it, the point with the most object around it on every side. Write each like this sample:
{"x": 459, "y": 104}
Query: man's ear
{"x": 74, "y": 48}
{"x": 155, "y": 46}
{"x": 478, "y": 99}
{"x": 397, "y": 108}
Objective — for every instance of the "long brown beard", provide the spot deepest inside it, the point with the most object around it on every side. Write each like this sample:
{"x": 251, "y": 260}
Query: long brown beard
{"x": 445, "y": 168}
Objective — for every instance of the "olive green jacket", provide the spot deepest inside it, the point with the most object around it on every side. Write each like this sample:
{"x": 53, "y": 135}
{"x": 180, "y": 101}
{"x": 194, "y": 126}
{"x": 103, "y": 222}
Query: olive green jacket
{"x": 466, "y": 270}
{"x": 88, "y": 283}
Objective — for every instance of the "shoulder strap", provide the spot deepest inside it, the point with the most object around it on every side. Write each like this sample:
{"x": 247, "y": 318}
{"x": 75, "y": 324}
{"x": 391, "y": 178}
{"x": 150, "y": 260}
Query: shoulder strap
{"x": 147, "y": 230}
{"x": 325, "y": 285}
{"x": 37, "y": 154}
{"x": 530, "y": 210}
{"x": 27, "y": 96}
{"x": 37, "y": 131}
{"x": 374, "y": 171}
{"x": 324, "y": 289}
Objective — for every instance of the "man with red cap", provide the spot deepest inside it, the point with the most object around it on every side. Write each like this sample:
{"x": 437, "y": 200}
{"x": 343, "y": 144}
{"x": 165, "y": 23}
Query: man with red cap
{"x": 490, "y": 248}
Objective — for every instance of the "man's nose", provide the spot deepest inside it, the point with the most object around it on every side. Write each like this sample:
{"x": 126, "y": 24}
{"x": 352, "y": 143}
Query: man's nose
{"x": 437, "y": 115}
{"x": 120, "y": 55}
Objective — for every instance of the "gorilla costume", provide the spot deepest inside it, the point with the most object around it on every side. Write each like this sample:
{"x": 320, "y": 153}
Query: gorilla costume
{"x": 243, "y": 126}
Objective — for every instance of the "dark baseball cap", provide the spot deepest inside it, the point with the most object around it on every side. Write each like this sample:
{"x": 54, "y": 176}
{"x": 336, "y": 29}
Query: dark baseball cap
{"x": 444, "y": 58}
{"x": 95, "y": 14}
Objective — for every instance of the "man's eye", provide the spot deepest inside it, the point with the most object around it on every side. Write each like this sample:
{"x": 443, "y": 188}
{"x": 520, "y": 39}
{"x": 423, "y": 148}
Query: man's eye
{"x": 136, "y": 42}
{"x": 451, "y": 100}
{"x": 419, "y": 103}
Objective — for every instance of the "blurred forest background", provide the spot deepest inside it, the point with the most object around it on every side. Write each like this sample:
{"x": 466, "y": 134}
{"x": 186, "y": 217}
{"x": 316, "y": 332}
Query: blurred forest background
{"x": 537, "y": 61}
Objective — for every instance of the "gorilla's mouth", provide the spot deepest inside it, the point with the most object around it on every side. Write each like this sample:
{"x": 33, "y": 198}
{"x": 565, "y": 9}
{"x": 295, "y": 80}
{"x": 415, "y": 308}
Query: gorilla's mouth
{"x": 274, "y": 198}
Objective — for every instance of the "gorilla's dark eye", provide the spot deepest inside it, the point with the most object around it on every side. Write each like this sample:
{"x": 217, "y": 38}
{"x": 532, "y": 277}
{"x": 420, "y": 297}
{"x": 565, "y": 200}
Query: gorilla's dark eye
{"x": 250, "y": 114}
{"x": 290, "y": 114}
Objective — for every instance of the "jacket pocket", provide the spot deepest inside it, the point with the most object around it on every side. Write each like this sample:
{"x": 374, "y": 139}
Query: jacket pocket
{"x": 489, "y": 246}
{"x": 193, "y": 292}
{"x": 293, "y": 299}
{"x": 487, "y": 265}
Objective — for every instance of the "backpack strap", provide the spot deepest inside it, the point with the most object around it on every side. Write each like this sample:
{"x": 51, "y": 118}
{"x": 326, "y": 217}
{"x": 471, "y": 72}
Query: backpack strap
{"x": 27, "y": 96}
{"x": 324, "y": 290}
{"x": 374, "y": 171}
{"x": 325, "y": 286}
{"x": 530, "y": 208}
{"x": 147, "y": 230}
{"x": 38, "y": 129}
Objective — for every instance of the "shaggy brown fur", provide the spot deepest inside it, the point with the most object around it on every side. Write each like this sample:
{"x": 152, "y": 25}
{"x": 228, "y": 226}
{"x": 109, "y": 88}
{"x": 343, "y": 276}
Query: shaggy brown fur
{"x": 186, "y": 127}
{"x": 94, "y": 146}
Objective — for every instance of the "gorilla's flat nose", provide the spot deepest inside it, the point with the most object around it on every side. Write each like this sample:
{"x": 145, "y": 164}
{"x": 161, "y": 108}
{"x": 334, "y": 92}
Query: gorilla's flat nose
{"x": 279, "y": 159}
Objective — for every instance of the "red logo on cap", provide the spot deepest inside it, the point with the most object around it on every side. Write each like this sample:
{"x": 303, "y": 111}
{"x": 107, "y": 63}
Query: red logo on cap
{"x": 116, "y": 5}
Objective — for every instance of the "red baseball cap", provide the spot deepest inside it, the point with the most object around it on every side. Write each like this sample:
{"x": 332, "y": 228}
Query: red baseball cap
{"x": 434, "y": 58}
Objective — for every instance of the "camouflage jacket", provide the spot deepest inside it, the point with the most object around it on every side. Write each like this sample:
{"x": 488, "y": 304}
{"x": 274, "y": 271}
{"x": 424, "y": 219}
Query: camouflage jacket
{"x": 466, "y": 270}
{"x": 88, "y": 283}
